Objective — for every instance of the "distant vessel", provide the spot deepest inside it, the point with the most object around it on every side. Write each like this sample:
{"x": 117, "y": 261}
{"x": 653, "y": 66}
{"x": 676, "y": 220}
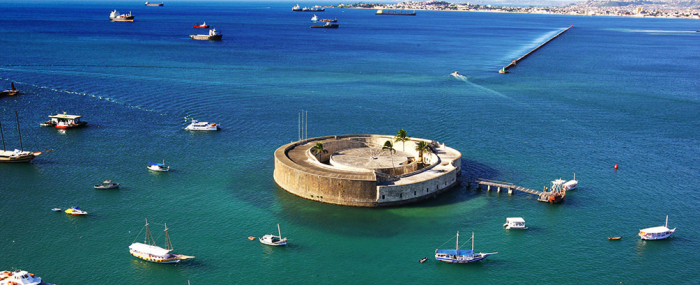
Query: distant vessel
{"x": 296, "y": 8}
{"x": 657, "y": 233}
{"x": 516, "y": 223}
{"x": 149, "y": 251}
{"x": 571, "y": 184}
{"x": 10, "y": 92}
{"x": 327, "y": 25}
{"x": 19, "y": 277}
{"x": 18, "y": 155}
{"x": 56, "y": 209}
{"x": 76, "y": 211}
{"x": 154, "y": 4}
{"x": 329, "y": 20}
{"x": 201, "y": 26}
{"x": 64, "y": 121}
{"x": 202, "y": 126}
{"x": 274, "y": 240}
{"x": 460, "y": 255}
{"x": 457, "y": 75}
{"x": 395, "y": 12}
{"x": 160, "y": 167}
{"x": 503, "y": 71}
{"x": 316, "y": 8}
{"x": 614, "y": 238}
{"x": 212, "y": 36}
{"x": 108, "y": 184}
{"x": 116, "y": 17}
{"x": 314, "y": 18}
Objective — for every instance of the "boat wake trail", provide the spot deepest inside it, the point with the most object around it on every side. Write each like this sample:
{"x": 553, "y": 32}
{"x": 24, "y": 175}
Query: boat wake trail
{"x": 460, "y": 77}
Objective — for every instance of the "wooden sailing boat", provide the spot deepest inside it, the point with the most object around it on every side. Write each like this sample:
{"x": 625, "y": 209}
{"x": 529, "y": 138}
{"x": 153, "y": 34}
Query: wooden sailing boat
{"x": 274, "y": 240}
{"x": 18, "y": 155}
{"x": 149, "y": 251}
{"x": 11, "y": 91}
{"x": 460, "y": 255}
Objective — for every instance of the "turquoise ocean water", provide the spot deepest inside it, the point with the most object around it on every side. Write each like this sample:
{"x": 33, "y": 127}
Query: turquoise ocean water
{"x": 609, "y": 91}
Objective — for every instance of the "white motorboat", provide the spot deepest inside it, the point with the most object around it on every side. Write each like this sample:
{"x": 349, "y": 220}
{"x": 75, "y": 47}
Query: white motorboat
{"x": 160, "y": 167}
{"x": 516, "y": 223}
{"x": 460, "y": 255}
{"x": 149, "y": 251}
{"x": 657, "y": 233}
{"x": 108, "y": 184}
{"x": 571, "y": 184}
{"x": 274, "y": 240}
{"x": 19, "y": 277}
{"x": 202, "y": 126}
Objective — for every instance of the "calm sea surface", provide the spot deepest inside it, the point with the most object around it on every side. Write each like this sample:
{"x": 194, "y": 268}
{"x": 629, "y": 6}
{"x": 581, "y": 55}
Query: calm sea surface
{"x": 609, "y": 91}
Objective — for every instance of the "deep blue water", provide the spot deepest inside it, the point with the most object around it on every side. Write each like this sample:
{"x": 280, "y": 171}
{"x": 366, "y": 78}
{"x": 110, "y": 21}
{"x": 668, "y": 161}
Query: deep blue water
{"x": 609, "y": 91}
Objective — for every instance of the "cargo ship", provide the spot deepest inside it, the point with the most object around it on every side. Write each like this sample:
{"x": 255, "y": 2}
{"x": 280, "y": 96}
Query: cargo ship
{"x": 327, "y": 25}
{"x": 212, "y": 36}
{"x": 116, "y": 17}
{"x": 154, "y": 4}
{"x": 395, "y": 12}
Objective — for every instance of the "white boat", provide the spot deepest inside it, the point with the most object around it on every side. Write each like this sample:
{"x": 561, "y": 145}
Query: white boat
{"x": 149, "y": 251}
{"x": 108, "y": 184}
{"x": 202, "y": 126}
{"x": 516, "y": 223}
{"x": 19, "y": 277}
{"x": 274, "y": 240}
{"x": 116, "y": 17}
{"x": 571, "y": 184}
{"x": 460, "y": 255}
{"x": 64, "y": 121}
{"x": 656, "y": 233}
{"x": 160, "y": 167}
{"x": 56, "y": 209}
{"x": 314, "y": 18}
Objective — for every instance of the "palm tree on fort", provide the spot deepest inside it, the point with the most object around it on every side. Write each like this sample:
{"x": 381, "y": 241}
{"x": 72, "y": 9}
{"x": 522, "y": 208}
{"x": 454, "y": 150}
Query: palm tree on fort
{"x": 422, "y": 147}
{"x": 401, "y": 137}
{"x": 390, "y": 147}
{"x": 318, "y": 150}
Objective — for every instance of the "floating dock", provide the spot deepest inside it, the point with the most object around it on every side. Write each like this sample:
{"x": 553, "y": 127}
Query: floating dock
{"x": 514, "y": 62}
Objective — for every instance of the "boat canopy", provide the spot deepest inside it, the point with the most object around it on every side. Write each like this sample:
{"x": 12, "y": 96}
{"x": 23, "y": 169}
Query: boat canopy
{"x": 655, "y": 230}
{"x": 456, "y": 252}
{"x": 149, "y": 249}
{"x": 159, "y": 164}
{"x": 515, "y": 220}
{"x": 64, "y": 116}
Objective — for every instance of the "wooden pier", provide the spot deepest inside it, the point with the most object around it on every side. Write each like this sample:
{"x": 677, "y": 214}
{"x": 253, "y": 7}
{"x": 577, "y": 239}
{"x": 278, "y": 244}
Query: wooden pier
{"x": 514, "y": 62}
{"x": 542, "y": 195}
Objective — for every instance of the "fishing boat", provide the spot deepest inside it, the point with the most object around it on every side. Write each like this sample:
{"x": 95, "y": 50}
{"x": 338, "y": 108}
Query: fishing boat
{"x": 327, "y": 25}
{"x": 657, "y": 233}
{"x": 107, "y": 184}
{"x": 516, "y": 223}
{"x": 64, "y": 121}
{"x": 329, "y": 20}
{"x": 314, "y": 18}
{"x": 424, "y": 259}
{"x": 202, "y": 126}
{"x": 18, "y": 155}
{"x": 149, "y": 251}
{"x": 201, "y": 26}
{"x": 571, "y": 184}
{"x": 158, "y": 167}
{"x": 116, "y": 17}
{"x": 395, "y": 12}
{"x": 274, "y": 240}
{"x": 460, "y": 255}
{"x": 154, "y": 4}
{"x": 10, "y": 92}
{"x": 76, "y": 211}
{"x": 614, "y": 238}
{"x": 19, "y": 277}
{"x": 556, "y": 194}
{"x": 212, "y": 36}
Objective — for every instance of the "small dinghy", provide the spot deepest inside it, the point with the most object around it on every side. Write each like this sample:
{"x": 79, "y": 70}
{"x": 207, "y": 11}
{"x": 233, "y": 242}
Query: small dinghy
{"x": 56, "y": 209}
{"x": 424, "y": 259}
{"x": 614, "y": 238}
{"x": 108, "y": 184}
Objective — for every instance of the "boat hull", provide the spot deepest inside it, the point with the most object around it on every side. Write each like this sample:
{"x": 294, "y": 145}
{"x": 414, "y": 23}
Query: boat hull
{"x": 206, "y": 37}
{"x": 24, "y": 157}
{"x": 107, "y": 186}
{"x": 331, "y": 26}
{"x": 158, "y": 169}
{"x": 453, "y": 260}
{"x": 656, "y": 236}
{"x": 122, "y": 19}
{"x": 154, "y": 260}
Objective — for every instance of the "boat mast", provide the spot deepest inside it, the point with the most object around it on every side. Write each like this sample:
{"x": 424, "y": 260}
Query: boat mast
{"x": 168, "y": 243}
{"x": 472, "y": 241}
{"x": 667, "y": 221}
{"x": 457, "y": 240}
{"x": 20, "y": 133}
{"x": 3, "y": 138}
{"x": 148, "y": 239}
{"x": 278, "y": 231}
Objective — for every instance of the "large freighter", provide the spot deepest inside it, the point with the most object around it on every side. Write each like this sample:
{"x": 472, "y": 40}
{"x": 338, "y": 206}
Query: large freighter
{"x": 116, "y": 17}
{"x": 212, "y": 36}
{"x": 154, "y": 4}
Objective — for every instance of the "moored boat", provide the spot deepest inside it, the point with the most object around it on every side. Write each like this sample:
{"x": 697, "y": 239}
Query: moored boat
{"x": 424, "y": 259}
{"x": 329, "y": 20}
{"x": 274, "y": 240}
{"x": 212, "y": 36}
{"x": 202, "y": 126}
{"x": 158, "y": 167}
{"x": 116, "y": 17}
{"x": 395, "y": 12}
{"x": 155, "y": 4}
{"x": 19, "y": 277}
{"x": 64, "y": 121}
{"x": 18, "y": 155}
{"x": 76, "y": 211}
{"x": 516, "y": 223}
{"x": 460, "y": 255}
{"x": 149, "y": 251}
{"x": 556, "y": 194}
{"x": 657, "y": 233}
{"x": 571, "y": 184}
{"x": 107, "y": 184}
{"x": 201, "y": 26}
{"x": 314, "y": 18}
{"x": 614, "y": 238}
{"x": 10, "y": 92}
{"x": 327, "y": 25}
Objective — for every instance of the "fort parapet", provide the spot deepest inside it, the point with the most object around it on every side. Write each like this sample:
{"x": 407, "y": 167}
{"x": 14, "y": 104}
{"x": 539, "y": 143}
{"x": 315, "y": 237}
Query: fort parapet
{"x": 356, "y": 172}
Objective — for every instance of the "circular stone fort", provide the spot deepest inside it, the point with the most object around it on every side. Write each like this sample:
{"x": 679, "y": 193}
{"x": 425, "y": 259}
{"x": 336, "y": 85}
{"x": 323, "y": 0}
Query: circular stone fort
{"x": 356, "y": 171}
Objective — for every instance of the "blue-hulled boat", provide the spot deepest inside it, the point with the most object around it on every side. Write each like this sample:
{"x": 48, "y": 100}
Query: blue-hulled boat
{"x": 460, "y": 255}
{"x": 161, "y": 167}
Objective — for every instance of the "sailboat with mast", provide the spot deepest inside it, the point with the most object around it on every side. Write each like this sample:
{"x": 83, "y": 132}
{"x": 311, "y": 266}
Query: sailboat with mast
{"x": 149, "y": 251}
{"x": 460, "y": 255}
{"x": 274, "y": 240}
{"x": 18, "y": 155}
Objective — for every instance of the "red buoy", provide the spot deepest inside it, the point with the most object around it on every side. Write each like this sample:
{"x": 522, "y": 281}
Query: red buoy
{"x": 615, "y": 166}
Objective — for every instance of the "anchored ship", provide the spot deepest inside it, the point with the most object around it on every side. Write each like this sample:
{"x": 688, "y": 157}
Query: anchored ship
{"x": 116, "y": 17}
{"x": 154, "y": 4}
{"x": 212, "y": 36}
{"x": 149, "y": 251}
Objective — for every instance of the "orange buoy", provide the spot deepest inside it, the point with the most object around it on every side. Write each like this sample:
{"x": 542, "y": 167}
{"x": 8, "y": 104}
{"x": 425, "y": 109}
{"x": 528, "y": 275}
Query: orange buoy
{"x": 251, "y": 238}
{"x": 615, "y": 166}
